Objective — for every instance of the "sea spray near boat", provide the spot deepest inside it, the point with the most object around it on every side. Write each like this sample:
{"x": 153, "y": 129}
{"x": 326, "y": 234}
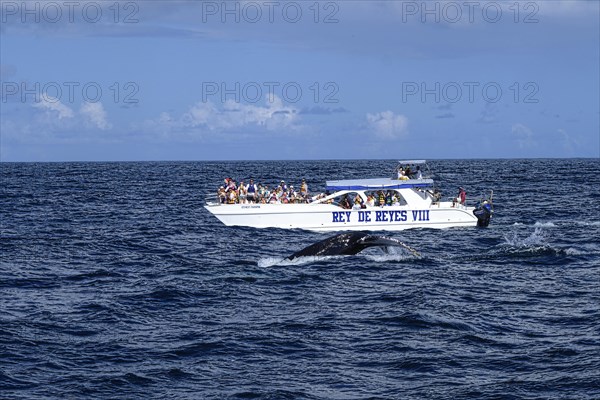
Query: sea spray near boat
{"x": 388, "y": 204}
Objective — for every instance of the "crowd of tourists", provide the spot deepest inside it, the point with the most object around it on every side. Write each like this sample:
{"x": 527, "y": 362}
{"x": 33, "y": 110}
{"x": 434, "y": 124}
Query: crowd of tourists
{"x": 232, "y": 192}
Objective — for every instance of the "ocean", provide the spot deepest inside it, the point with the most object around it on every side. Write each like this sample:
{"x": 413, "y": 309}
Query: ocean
{"x": 115, "y": 283}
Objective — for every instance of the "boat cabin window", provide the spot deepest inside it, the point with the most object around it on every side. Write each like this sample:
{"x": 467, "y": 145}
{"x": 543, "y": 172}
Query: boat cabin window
{"x": 349, "y": 201}
{"x": 380, "y": 198}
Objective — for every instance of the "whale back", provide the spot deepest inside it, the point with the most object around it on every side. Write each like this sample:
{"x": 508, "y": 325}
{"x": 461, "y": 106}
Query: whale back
{"x": 345, "y": 244}
{"x": 342, "y": 244}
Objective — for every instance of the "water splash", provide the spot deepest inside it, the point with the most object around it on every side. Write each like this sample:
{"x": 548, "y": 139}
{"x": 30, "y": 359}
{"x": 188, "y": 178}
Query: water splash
{"x": 268, "y": 262}
{"x": 392, "y": 254}
{"x": 537, "y": 239}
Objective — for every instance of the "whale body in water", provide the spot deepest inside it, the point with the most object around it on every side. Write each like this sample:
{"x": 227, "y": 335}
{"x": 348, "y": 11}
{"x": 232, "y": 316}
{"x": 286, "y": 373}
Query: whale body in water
{"x": 346, "y": 244}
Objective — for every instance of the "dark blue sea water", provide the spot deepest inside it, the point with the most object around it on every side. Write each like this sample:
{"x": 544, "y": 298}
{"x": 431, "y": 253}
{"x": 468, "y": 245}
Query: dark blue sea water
{"x": 115, "y": 283}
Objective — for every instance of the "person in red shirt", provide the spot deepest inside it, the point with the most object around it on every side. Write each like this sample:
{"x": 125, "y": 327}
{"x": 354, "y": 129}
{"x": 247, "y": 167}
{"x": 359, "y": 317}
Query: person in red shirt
{"x": 462, "y": 196}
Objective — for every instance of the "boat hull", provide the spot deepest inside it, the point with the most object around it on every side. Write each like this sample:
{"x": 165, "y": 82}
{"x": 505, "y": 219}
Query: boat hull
{"x": 327, "y": 217}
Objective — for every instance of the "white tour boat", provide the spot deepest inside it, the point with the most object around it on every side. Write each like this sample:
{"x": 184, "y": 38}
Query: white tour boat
{"x": 416, "y": 205}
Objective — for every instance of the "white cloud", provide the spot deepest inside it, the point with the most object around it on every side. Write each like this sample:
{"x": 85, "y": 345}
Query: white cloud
{"x": 204, "y": 117}
{"x": 53, "y": 105}
{"x": 387, "y": 125}
{"x": 524, "y": 136}
{"x": 55, "y": 111}
{"x": 48, "y": 120}
{"x": 569, "y": 142}
{"x": 95, "y": 113}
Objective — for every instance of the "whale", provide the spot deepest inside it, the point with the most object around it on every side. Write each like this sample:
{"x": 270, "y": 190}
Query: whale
{"x": 346, "y": 244}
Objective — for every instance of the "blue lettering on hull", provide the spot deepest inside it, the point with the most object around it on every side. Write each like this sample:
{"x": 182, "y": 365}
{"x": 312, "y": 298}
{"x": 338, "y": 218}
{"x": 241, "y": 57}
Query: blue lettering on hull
{"x": 341, "y": 216}
{"x": 380, "y": 216}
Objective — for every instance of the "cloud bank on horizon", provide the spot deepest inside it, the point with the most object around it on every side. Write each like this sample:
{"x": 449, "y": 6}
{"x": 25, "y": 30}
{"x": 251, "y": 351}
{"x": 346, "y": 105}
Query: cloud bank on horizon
{"x": 158, "y": 80}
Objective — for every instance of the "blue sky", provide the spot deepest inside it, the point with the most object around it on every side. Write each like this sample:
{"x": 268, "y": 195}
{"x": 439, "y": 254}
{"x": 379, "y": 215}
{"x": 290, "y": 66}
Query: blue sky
{"x": 205, "y": 80}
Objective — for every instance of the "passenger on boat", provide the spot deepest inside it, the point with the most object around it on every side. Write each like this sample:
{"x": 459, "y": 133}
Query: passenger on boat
{"x": 230, "y": 185}
{"x": 222, "y": 195}
{"x": 252, "y": 191}
{"x": 389, "y": 198}
{"x": 461, "y": 198}
{"x": 357, "y": 203}
{"x": 418, "y": 174}
{"x": 232, "y": 197}
{"x": 381, "y": 198}
{"x": 319, "y": 196}
{"x": 400, "y": 172}
{"x": 304, "y": 190}
{"x": 404, "y": 176}
{"x": 242, "y": 194}
{"x": 436, "y": 195}
{"x": 345, "y": 203}
{"x": 371, "y": 200}
{"x": 264, "y": 193}
{"x": 273, "y": 199}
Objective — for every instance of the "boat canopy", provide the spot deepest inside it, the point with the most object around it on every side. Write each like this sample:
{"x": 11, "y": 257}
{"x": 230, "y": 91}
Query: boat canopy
{"x": 378, "y": 184}
{"x": 412, "y": 162}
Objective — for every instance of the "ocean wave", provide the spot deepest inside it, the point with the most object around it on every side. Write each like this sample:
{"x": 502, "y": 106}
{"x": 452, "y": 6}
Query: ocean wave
{"x": 143, "y": 300}
{"x": 587, "y": 223}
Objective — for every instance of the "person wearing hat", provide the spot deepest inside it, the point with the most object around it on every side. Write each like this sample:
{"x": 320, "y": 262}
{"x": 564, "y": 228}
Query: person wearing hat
{"x": 222, "y": 195}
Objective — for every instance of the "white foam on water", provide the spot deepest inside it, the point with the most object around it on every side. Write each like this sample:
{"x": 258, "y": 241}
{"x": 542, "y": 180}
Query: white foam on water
{"x": 268, "y": 262}
{"x": 574, "y": 252}
{"x": 587, "y": 223}
{"x": 392, "y": 254}
{"x": 388, "y": 257}
{"x": 584, "y": 250}
{"x": 536, "y": 239}
{"x": 545, "y": 224}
